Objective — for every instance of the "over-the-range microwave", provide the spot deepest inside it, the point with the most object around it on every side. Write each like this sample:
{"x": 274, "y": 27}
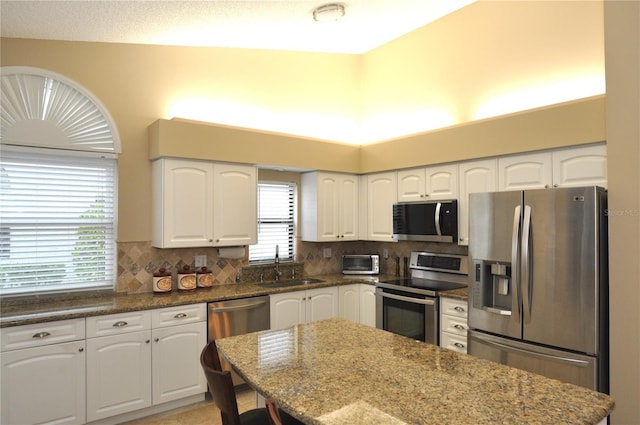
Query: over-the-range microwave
{"x": 426, "y": 221}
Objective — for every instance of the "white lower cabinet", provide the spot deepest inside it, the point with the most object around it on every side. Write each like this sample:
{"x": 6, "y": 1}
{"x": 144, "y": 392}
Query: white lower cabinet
{"x": 44, "y": 384}
{"x": 131, "y": 370}
{"x": 118, "y": 364}
{"x": 175, "y": 356}
{"x": 85, "y": 370}
{"x": 368, "y": 305}
{"x": 358, "y": 303}
{"x": 453, "y": 324}
{"x": 349, "y": 302}
{"x": 292, "y": 308}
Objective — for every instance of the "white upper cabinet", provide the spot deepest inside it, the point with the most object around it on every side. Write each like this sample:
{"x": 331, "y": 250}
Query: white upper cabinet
{"x": 581, "y": 166}
{"x": 329, "y": 207}
{"x": 475, "y": 176}
{"x": 378, "y": 194}
{"x": 527, "y": 171}
{"x": 430, "y": 183}
{"x": 200, "y": 203}
{"x": 235, "y": 205}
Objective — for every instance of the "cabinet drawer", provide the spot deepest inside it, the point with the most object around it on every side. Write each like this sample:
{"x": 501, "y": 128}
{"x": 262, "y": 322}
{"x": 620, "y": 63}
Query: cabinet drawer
{"x": 453, "y": 307}
{"x": 114, "y": 324}
{"x": 454, "y": 325}
{"x": 179, "y": 315}
{"x": 40, "y": 334}
{"x": 453, "y": 342}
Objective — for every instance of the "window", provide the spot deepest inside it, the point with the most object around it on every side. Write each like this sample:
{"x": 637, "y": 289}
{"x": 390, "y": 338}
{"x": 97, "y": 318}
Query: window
{"x": 57, "y": 220}
{"x": 58, "y": 185}
{"x": 276, "y": 208}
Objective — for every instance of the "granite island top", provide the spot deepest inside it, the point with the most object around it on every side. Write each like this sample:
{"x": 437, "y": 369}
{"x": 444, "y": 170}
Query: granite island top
{"x": 338, "y": 372}
{"x": 46, "y": 309}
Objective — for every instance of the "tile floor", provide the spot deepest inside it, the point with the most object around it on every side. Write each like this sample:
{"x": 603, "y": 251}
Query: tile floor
{"x": 202, "y": 413}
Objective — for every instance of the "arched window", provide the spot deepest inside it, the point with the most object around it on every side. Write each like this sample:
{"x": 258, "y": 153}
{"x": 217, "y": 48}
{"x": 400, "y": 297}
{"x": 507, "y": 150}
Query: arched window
{"x": 58, "y": 185}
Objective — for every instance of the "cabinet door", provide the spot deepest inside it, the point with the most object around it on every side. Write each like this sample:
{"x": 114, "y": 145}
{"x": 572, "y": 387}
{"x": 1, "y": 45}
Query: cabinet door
{"x": 329, "y": 207}
{"x": 235, "y": 203}
{"x": 349, "y": 302}
{"x": 287, "y": 309}
{"x": 441, "y": 182}
{"x": 411, "y": 185}
{"x": 175, "y": 361}
{"x": 381, "y": 195}
{"x": 321, "y": 303}
{"x": 368, "y": 305}
{"x": 182, "y": 203}
{"x": 584, "y": 166}
{"x": 522, "y": 172}
{"x": 44, "y": 385}
{"x": 118, "y": 374}
{"x": 348, "y": 208}
{"x": 475, "y": 176}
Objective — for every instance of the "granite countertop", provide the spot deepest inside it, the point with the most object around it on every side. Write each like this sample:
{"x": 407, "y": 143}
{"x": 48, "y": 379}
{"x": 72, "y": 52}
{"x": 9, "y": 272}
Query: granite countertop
{"x": 47, "y": 309}
{"x": 338, "y": 372}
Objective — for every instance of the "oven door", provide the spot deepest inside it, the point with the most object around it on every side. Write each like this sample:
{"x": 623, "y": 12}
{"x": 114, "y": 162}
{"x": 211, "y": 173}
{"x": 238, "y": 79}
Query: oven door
{"x": 412, "y": 315}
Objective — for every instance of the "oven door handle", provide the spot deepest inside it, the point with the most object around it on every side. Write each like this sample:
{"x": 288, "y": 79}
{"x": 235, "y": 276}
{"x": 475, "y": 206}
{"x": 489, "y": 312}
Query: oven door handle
{"x": 423, "y": 301}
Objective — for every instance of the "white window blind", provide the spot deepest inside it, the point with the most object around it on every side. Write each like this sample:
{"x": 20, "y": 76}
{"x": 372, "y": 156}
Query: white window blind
{"x": 57, "y": 221}
{"x": 275, "y": 222}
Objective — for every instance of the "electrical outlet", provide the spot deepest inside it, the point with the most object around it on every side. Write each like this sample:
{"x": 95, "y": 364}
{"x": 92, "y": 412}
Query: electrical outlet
{"x": 385, "y": 253}
{"x": 327, "y": 253}
{"x": 201, "y": 261}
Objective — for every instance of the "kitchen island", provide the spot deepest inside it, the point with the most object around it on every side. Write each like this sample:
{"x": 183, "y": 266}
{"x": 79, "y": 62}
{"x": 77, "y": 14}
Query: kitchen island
{"x": 338, "y": 372}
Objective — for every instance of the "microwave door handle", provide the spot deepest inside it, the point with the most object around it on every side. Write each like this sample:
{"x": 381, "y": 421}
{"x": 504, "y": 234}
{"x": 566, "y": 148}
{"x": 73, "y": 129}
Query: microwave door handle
{"x": 438, "y": 205}
{"x": 515, "y": 268}
{"x": 525, "y": 279}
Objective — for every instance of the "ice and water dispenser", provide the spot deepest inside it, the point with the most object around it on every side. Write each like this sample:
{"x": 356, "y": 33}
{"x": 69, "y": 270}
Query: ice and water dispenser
{"x": 492, "y": 286}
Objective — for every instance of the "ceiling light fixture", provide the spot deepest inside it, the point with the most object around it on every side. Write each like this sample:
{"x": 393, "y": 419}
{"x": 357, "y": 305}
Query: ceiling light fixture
{"x": 328, "y": 12}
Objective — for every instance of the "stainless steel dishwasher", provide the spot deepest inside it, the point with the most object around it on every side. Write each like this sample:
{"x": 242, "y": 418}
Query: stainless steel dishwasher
{"x": 237, "y": 317}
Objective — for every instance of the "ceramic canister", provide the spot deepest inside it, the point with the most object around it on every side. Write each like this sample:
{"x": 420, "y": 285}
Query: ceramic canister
{"x": 162, "y": 281}
{"x": 204, "y": 278}
{"x": 186, "y": 279}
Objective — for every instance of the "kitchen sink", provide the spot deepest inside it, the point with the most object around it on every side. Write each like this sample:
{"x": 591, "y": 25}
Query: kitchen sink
{"x": 284, "y": 284}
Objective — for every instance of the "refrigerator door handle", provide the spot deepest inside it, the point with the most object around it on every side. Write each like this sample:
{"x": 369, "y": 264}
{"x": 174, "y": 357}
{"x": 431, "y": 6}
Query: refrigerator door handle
{"x": 515, "y": 268}
{"x": 525, "y": 279}
{"x": 438, "y": 205}
{"x": 566, "y": 360}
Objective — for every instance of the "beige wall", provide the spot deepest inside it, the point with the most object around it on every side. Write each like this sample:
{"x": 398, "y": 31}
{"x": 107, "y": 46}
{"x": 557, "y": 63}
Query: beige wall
{"x": 622, "y": 24}
{"x": 482, "y": 52}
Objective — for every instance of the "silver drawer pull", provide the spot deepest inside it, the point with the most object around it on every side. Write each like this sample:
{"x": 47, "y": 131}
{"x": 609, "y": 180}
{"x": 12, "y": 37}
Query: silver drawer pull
{"x": 459, "y": 309}
{"x": 180, "y": 316}
{"x": 459, "y": 327}
{"x": 120, "y": 324}
{"x": 41, "y": 335}
{"x": 459, "y": 345}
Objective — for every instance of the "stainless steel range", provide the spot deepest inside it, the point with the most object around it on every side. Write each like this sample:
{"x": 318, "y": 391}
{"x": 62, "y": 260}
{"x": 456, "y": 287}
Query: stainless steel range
{"x": 409, "y": 306}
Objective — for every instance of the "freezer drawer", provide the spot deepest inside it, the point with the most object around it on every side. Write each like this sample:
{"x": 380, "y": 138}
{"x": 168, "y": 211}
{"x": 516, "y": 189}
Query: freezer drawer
{"x": 561, "y": 365}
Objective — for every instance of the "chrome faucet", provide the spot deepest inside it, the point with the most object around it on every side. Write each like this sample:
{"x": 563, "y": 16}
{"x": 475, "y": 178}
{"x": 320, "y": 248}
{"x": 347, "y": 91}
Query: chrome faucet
{"x": 277, "y": 265}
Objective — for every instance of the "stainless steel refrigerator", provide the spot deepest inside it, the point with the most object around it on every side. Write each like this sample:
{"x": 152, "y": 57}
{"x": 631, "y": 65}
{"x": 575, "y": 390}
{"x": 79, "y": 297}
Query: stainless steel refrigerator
{"x": 539, "y": 282}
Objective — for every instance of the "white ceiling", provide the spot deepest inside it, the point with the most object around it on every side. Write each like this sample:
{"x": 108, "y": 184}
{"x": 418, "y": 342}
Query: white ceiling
{"x": 261, "y": 24}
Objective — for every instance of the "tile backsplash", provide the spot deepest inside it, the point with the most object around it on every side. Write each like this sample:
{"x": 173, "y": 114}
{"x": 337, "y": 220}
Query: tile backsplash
{"x": 138, "y": 261}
